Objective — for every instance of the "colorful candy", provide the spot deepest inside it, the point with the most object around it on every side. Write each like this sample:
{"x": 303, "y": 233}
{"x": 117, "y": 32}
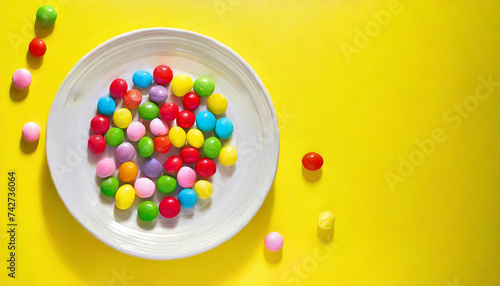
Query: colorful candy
{"x": 144, "y": 187}
{"x": 212, "y": 147}
{"x": 203, "y": 189}
{"x": 125, "y": 197}
{"x": 326, "y": 220}
{"x": 21, "y": 78}
{"x": 125, "y": 152}
{"x": 106, "y": 105}
{"x": 37, "y": 47}
{"x": 128, "y": 172}
{"x": 185, "y": 119}
{"x": 158, "y": 127}
{"x": 109, "y": 186}
{"x": 122, "y": 118}
{"x": 96, "y": 144}
{"x": 274, "y": 241}
{"x": 181, "y": 84}
{"x": 204, "y": 86}
{"x": 105, "y": 168}
{"x": 191, "y": 101}
{"x": 46, "y": 15}
{"x": 170, "y": 207}
{"x": 217, "y": 104}
{"x": 166, "y": 184}
{"x": 177, "y": 136}
{"x": 186, "y": 177}
{"x": 173, "y": 164}
{"x": 148, "y": 110}
{"x": 190, "y": 155}
{"x": 205, "y": 167}
{"x": 158, "y": 93}
{"x": 224, "y": 128}
{"x": 147, "y": 211}
{"x": 162, "y": 74}
{"x": 114, "y": 136}
{"x": 100, "y": 124}
{"x": 145, "y": 147}
{"x": 205, "y": 121}
{"x": 195, "y": 138}
{"x": 187, "y": 198}
{"x": 31, "y": 132}
{"x": 162, "y": 144}
{"x": 169, "y": 111}
{"x": 152, "y": 168}
{"x": 135, "y": 131}
{"x": 228, "y": 156}
{"x": 312, "y": 161}
{"x": 132, "y": 99}
{"x": 142, "y": 78}
{"x": 118, "y": 88}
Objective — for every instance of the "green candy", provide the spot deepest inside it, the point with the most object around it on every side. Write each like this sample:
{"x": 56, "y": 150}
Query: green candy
{"x": 46, "y": 15}
{"x": 109, "y": 186}
{"x": 212, "y": 147}
{"x": 114, "y": 136}
{"x": 147, "y": 211}
{"x": 204, "y": 86}
{"x": 148, "y": 111}
{"x": 166, "y": 184}
{"x": 145, "y": 147}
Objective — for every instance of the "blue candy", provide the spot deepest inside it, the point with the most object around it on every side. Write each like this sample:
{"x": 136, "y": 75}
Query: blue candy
{"x": 187, "y": 198}
{"x": 106, "y": 105}
{"x": 142, "y": 78}
{"x": 224, "y": 128}
{"x": 205, "y": 121}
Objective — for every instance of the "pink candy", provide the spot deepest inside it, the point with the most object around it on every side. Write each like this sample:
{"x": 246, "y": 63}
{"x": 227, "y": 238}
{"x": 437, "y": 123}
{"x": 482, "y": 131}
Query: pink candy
{"x": 21, "y": 78}
{"x": 105, "y": 168}
{"x": 144, "y": 187}
{"x": 186, "y": 177}
{"x": 274, "y": 241}
{"x": 158, "y": 127}
{"x": 135, "y": 131}
{"x": 31, "y": 132}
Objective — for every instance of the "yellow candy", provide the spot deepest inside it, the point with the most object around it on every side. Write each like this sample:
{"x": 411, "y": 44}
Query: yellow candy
{"x": 124, "y": 197}
{"x": 217, "y": 103}
{"x": 203, "y": 189}
{"x": 195, "y": 138}
{"x": 181, "y": 84}
{"x": 122, "y": 118}
{"x": 128, "y": 172}
{"x": 177, "y": 136}
{"x": 228, "y": 156}
{"x": 326, "y": 220}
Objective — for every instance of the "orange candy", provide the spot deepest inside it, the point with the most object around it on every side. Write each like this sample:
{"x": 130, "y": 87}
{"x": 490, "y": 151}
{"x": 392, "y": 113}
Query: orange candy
{"x": 128, "y": 172}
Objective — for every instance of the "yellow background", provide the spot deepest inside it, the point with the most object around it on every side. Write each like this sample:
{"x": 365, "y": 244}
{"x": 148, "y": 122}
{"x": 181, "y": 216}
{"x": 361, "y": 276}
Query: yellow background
{"x": 441, "y": 226}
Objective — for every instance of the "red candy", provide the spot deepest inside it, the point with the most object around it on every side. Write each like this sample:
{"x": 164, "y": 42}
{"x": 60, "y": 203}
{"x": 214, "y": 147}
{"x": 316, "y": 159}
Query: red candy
{"x": 205, "y": 167}
{"x": 132, "y": 99}
{"x": 312, "y": 161}
{"x": 173, "y": 164}
{"x": 162, "y": 144}
{"x": 190, "y": 155}
{"x": 185, "y": 119}
{"x": 169, "y": 207}
{"x": 96, "y": 144}
{"x": 118, "y": 88}
{"x": 191, "y": 101}
{"x": 169, "y": 111}
{"x": 100, "y": 124}
{"x": 162, "y": 74}
{"x": 37, "y": 47}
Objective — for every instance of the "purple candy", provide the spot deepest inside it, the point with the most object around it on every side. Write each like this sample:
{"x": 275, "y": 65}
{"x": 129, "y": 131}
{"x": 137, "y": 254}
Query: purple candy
{"x": 158, "y": 93}
{"x": 152, "y": 168}
{"x": 125, "y": 152}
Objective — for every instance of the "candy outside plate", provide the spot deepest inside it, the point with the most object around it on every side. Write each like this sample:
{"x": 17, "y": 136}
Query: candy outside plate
{"x": 239, "y": 191}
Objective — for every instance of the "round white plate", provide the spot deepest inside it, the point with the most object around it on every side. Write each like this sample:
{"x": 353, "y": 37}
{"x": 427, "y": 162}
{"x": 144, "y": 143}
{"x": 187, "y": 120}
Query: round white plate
{"x": 239, "y": 191}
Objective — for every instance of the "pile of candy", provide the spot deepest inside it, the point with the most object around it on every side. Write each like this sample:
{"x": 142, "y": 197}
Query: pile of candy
{"x": 160, "y": 116}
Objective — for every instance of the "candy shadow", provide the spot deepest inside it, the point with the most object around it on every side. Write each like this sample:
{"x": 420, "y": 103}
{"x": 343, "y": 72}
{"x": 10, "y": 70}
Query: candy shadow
{"x": 325, "y": 235}
{"x": 122, "y": 215}
{"x": 43, "y": 31}
{"x": 147, "y": 225}
{"x": 18, "y": 94}
{"x": 34, "y": 62}
{"x": 312, "y": 176}
{"x": 273, "y": 256}
{"x": 28, "y": 147}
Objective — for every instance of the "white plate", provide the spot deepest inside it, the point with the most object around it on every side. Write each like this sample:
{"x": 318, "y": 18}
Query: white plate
{"x": 239, "y": 191}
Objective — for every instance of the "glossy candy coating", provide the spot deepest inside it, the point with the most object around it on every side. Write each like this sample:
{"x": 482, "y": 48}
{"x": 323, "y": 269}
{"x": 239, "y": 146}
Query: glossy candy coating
{"x": 145, "y": 147}
{"x": 148, "y": 110}
{"x": 118, "y": 88}
{"x": 326, "y": 220}
{"x": 109, "y": 186}
{"x": 162, "y": 144}
{"x": 125, "y": 197}
{"x": 312, "y": 161}
{"x": 135, "y": 131}
{"x": 147, "y": 211}
{"x": 169, "y": 111}
{"x": 224, "y": 128}
{"x": 100, "y": 124}
{"x": 152, "y": 168}
{"x": 186, "y": 177}
{"x": 205, "y": 167}
{"x": 96, "y": 144}
{"x": 142, "y": 78}
{"x": 170, "y": 207}
{"x": 158, "y": 127}
{"x": 122, "y": 118}
{"x": 212, "y": 147}
{"x": 132, "y": 99}
{"x": 195, "y": 138}
{"x": 46, "y": 16}
{"x": 217, "y": 104}
{"x": 162, "y": 74}
{"x": 190, "y": 155}
{"x": 204, "y": 86}
{"x": 114, "y": 136}
{"x": 191, "y": 101}
{"x": 21, "y": 78}
{"x": 173, "y": 164}
{"x": 205, "y": 121}
{"x": 187, "y": 198}
{"x": 185, "y": 119}
{"x": 128, "y": 172}
{"x": 274, "y": 241}
{"x": 166, "y": 184}
{"x": 181, "y": 84}
{"x": 37, "y": 47}
{"x": 177, "y": 136}
{"x": 158, "y": 93}
{"x": 144, "y": 187}
{"x": 125, "y": 152}
{"x": 105, "y": 168}
{"x": 203, "y": 189}
{"x": 228, "y": 156}
{"x": 106, "y": 105}
{"x": 31, "y": 132}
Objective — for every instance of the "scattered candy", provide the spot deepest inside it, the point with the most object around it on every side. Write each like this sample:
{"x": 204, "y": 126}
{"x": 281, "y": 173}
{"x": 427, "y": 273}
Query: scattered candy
{"x": 125, "y": 197}
{"x": 186, "y": 177}
{"x": 100, "y": 124}
{"x": 105, "y": 168}
{"x": 190, "y": 155}
{"x": 173, "y": 164}
{"x": 205, "y": 168}
{"x": 212, "y": 147}
{"x": 166, "y": 184}
{"x": 152, "y": 168}
{"x": 158, "y": 93}
{"x": 148, "y": 110}
{"x": 181, "y": 84}
{"x": 114, "y": 136}
{"x": 46, "y": 15}
{"x": 109, "y": 186}
{"x": 21, "y": 78}
{"x": 177, "y": 136}
{"x": 195, "y": 138}
{"x": 158, "y": 127}
{"x": 191, "y": 101}
{"x": 128, "y": 172}
{"x": 326, "y": 220}
{"x": 106, "y": 105}
{"x": 170, "y": 207}
{"x": 224, "y": 128}
{"x": 135, "y": 131}
{"x": 205, "y": 121}
{"x": 274, "y": 241}
{"x": 122, "y": 118}
{"x": 185, "y": 119}
{"x": 142, "y": 78}
{"x": 37, "y": 47}
{"x": 132, "y": 99}
{"x": 187, "y": 198}
{"x": 31, "y": 132}
{"x": 217, "y": 104}
{"x": 204, "y": 86}
{"x": 163, "y": 74}
{"x": 169, "y": 111}
{"x": 203, "y": 189}
{"x": 96, "y": 144}
{"x": 162, "y": 144}
{"x": 144, "y": 187}
{"x": 118, "y": 88}
{"x": 145, "y": 147}
{"x": 125, "y": 152}
{"x": 312, "y": 161}
{"x": 147, "y": 211}
{"x": 228, "y": 156}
